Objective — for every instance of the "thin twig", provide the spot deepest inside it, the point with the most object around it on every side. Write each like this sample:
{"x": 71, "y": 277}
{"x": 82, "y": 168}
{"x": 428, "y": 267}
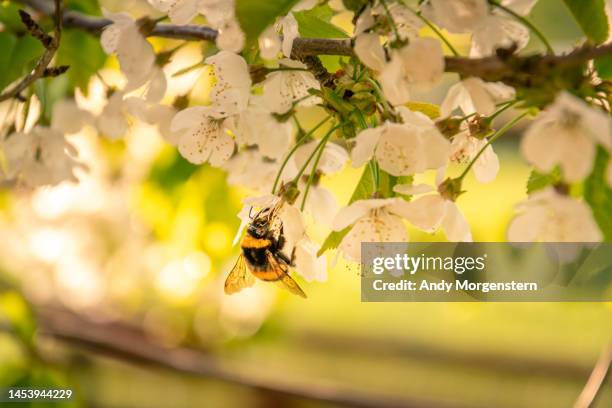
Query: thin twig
{"x": 40, "y": 69}
{"x": 596, "y": 379}
{"x": 491, "y": 68}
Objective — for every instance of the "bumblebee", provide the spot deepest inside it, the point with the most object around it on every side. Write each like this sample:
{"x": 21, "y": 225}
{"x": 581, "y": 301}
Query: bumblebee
{"x": 262, "y": 255}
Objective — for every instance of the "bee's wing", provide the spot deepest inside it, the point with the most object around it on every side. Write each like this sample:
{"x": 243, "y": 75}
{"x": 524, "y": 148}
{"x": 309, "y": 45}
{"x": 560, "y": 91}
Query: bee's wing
{"x": 239, "y": 278}
{"x": 291, "y": 285}
{"x": 284, "y": 279}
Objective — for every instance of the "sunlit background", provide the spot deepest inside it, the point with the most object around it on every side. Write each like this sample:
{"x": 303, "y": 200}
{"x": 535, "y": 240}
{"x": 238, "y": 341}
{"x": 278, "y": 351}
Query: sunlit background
{"x": 140, "y": 247}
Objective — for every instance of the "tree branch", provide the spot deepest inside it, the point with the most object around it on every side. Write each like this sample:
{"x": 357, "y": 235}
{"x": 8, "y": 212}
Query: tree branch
{"x": 513, "y": 70}
{"x": 51, "y": 47}
{"x": 596, "y": 379}
{"x": 131, "y": 345}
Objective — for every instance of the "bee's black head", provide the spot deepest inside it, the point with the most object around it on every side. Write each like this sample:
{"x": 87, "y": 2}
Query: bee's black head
{"x": 258, "y": 228}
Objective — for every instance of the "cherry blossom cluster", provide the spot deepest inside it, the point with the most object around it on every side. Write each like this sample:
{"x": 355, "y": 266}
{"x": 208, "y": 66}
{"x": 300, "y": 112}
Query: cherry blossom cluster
{"x": 249, "y": 127}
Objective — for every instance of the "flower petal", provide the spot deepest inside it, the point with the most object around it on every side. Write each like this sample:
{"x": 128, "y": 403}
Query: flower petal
{"x": 425, "y": 212}
{"x": 486, "y": 166}
{"x": 370, "y": 51}
{"x": 348, "y": 215}
{"x": 455, "y": 225}
{"x": 307, "y": 264}
{"x": 365, "y": 145}
{"x": 413, "y": 189}
{"x": 383, "y": 227}
{"x": 321, "y": 205}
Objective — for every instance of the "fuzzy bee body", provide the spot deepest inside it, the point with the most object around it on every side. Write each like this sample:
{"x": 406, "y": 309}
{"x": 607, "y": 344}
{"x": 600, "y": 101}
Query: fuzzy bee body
{"x": 262, "y": 256}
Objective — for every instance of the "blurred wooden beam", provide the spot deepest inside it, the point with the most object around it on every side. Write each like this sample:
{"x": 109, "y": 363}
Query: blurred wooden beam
{"x": 397, "y": 348}
{"x": 131, "y": 345}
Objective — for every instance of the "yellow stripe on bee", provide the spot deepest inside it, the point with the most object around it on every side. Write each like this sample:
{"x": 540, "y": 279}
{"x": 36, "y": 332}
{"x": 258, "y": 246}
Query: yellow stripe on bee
{"x": 267, "y": 275}
{"x": 250, "y": 242}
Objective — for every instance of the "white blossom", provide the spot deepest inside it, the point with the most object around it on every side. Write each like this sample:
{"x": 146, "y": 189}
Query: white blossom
{"x": 205, "y": 135}
{"x": 269, "y": 43}
{"x": 42, "y": 155}
{"x": 113, "y": 122}
{"x": 495, "y": 31}
{"x": 371, "y": 220}
{"x": 256, "y": 126}
{"x": 405, "y": 21}
{"x": 465, "y": 147}
{"x": 218, "y": 12}
{"x": 179, "y": 11}
{"x": 232, "y": 89}
{"x": 230, "y": 36}
{"x": 136, "y": 56}
{"x": 566, "y": 134}
{"x": 281, "y": 89}
{"x": 500, "y": 30}
{"x": 491, "y": 28}
{"x": 333, "y": 158}
{"x": 307, "y": 264}
{"x": 473, "y": 95}
{"x": 403, "y": 148}
{"x": 370, "y": 51}
{"x": 547, "y": 216}
{"x": 289, "y": 27}
{"x": 431, "y": 212}
{"x": 457, "y": 16}
{"x": 68, "y": 118}
{"x": 251, "y": 169}
{"x": 420, "y": 65}
{"x": 320, "y": 203}
{"x": 161, "y": 116}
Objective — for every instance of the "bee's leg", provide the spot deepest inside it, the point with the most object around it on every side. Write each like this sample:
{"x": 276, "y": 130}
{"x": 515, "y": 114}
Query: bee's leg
{"x": 288, "y": 261}
{"x": 280, "y": 242}
{"x": 293, "y": 257}
{"x": 284, "y": 258}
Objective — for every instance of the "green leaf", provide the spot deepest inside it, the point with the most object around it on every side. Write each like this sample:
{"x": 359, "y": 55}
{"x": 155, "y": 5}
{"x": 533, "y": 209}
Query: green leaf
{"x": 90, "y": 7}
{"x": 21, "y": 60}
{"x": 315, "y": 23}
{"x": 9, "y": 17}
{"x": 598, "y": 193}
{"x": 591, "y": 16}
{"x": 355, "y": 5}
{"x": 538, "y": 181}
{"x": 429, "y": 109}
{"x": 7, "y": 45}
{"x": 83, "y": 53}
{"x": 15, "y": 311}
{"x": 364, "y": 190}
{"x": 256, "y": 16}
{"x": 604, "y": 67}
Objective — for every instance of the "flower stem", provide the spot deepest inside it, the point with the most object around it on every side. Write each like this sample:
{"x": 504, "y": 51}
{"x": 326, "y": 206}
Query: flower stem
{"x": 293, "y": 149}
{"x": 375, "y": 174}
{"x": 495, "y": 136}
{"x": 390, "y": 17}
{"x": 307, "y": 162}
{"x": 527, "y": 23}
{"x": 505, "y": 107}
{"x": 317, "y": 153}
{"x": 315, "y": 164}
{"x": 380, "y": 94}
